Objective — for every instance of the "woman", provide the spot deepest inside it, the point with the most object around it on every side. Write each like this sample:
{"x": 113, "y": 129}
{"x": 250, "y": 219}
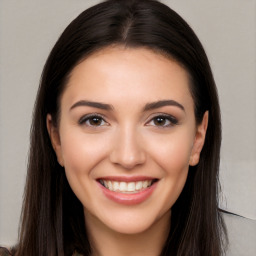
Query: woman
{"x": 125, "y": 140}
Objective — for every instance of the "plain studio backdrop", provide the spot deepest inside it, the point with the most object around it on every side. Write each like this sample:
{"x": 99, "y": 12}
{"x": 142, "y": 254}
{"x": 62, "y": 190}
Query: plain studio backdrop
{"x": 227, "y": 29}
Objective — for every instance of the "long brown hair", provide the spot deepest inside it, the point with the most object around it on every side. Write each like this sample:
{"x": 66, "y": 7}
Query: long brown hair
{"x": 52, "y": 217}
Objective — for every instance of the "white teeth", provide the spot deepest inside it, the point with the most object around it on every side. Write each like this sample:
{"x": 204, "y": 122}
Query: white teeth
{"x": 126, "y": 187}
{"x": 131, "y": 186}
{"x": 115, "y": 186}
{"x": 122, "y": 186}
{"x": 110, "y": 185}
{"x": 138, "y": 185}
{"x": 145, "y": 184}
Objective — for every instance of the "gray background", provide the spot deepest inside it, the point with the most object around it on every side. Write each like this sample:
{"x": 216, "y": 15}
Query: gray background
{"x": 227, "y": 29}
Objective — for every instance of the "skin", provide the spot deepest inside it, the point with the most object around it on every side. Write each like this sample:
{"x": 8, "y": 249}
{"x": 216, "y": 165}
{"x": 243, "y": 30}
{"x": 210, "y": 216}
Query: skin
{"x": 127, "y": 141}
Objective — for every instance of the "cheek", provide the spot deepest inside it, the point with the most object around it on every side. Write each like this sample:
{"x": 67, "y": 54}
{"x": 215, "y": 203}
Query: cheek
{"x": 81, "y": 153}
{"x": 172, "y": 152}
{"x": 172, "y": 155}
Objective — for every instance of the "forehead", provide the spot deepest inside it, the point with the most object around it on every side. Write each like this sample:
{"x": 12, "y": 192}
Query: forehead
{"x": 133, "y": 74}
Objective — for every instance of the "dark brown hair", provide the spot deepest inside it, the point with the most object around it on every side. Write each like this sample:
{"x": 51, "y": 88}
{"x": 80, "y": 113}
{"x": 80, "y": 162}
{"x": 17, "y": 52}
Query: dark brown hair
{"x": 52, "y": 217}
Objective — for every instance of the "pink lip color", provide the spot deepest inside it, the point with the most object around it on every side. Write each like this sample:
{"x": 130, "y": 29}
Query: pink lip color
{"x": 128, "y": 199}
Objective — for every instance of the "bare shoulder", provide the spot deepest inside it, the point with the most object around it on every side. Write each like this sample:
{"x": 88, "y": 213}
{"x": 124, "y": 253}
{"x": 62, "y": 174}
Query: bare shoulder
{"x": 4, "y": 251}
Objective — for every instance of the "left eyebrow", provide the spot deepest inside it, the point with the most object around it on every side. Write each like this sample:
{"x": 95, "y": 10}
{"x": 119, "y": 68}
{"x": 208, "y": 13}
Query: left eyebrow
{"x": 92, "y": 104}
{"x": 163, "y": 103}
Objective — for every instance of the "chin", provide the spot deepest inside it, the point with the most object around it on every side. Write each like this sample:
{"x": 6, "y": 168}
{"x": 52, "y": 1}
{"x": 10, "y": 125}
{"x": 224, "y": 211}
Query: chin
{"x": 129, "y": 228}
{"x": 134, "y": 221}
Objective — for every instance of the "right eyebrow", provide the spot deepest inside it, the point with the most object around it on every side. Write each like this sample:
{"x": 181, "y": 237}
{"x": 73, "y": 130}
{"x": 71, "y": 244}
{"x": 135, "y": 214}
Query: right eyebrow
{"x": 92, "y": 104}
{"x": 163, "y": 103}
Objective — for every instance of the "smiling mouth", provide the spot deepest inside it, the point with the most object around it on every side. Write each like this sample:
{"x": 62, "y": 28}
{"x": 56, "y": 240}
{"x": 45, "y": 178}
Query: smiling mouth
{"x": 127, "y": 187}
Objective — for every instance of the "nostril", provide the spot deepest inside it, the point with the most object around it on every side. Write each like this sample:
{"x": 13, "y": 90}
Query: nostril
{"x": 127, "y": 148}
{"x": 126, "y": 160}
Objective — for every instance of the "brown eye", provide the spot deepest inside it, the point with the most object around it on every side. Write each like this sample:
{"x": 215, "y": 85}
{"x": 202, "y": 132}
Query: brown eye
{"x": 163, "y": 121}
{"x": 93, "y": 120}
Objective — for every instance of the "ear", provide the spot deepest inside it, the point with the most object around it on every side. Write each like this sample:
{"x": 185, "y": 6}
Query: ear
{"x": 55, "y": 138}
{"x": 199, "y": 140}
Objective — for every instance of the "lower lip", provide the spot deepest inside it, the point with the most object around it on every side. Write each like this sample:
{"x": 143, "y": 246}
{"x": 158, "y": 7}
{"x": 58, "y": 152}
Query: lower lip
{"x": 129, "y": 199}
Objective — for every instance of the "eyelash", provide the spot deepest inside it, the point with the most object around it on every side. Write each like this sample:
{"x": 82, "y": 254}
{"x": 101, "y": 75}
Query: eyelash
{"x": 164, "y": 117}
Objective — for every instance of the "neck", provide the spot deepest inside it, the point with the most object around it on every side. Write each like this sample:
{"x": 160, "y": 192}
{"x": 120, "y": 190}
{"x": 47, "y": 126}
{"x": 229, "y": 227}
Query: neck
{"x": 105, "y": 241}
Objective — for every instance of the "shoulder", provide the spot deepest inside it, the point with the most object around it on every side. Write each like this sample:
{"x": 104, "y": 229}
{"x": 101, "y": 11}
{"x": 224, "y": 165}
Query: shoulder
{"x": 241, "y": 235}
{"x": 4, "y": 251}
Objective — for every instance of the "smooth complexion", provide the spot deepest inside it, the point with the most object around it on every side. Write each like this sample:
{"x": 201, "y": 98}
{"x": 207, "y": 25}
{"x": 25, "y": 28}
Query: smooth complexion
{"x": 127, "y": 115}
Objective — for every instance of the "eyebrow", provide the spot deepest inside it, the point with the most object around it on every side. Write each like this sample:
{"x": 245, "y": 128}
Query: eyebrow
{"x": 163, "y": 103}
{"x": 92, "y": 104}
{"x": 149, "y": 106}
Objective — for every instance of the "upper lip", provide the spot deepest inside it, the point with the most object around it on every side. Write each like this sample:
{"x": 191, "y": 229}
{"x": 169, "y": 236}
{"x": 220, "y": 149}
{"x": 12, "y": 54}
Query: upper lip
{"x": 127, "y": 178}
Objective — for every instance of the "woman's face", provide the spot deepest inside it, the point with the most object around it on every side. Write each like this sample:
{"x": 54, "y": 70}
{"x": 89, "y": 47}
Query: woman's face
{"x": 126, "y": 137}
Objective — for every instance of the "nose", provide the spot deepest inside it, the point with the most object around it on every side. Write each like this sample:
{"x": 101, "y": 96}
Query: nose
{"x": 127, "y": 149}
